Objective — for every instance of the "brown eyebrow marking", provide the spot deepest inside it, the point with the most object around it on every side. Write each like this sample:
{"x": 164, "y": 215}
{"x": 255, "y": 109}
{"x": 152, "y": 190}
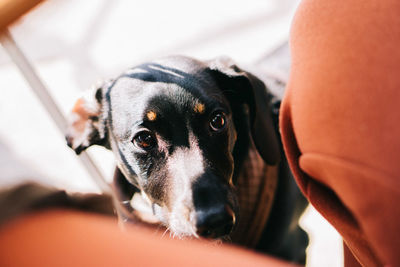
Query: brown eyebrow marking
{"x": 199, "y": 108}
{"x": 151, "y": 115}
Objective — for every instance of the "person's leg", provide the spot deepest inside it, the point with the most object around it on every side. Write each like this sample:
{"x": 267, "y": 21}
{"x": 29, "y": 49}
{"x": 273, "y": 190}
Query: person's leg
{"x": 74, "y": 238}
{"x": 340, "y": 120}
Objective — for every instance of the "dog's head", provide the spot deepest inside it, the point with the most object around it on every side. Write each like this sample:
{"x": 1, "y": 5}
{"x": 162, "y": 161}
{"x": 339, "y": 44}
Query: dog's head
{"x": 171, "y": 125}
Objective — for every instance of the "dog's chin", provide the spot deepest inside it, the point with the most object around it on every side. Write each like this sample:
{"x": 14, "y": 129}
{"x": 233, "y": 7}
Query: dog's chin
{"x": 185, "y": 236}
{"x": 181, "y": 235}
{"x": 181, "y": 229}
{"x": 179, "y": 223}
{"x": 182, "y": 224}
{"x": 175, "y": 228}
{"x": 190, "y": 236}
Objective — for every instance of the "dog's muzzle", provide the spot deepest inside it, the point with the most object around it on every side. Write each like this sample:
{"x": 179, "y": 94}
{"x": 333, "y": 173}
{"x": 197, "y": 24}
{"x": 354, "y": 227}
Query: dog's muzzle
{"x": 215, "y": 222}
{"x": 213, "y": 205}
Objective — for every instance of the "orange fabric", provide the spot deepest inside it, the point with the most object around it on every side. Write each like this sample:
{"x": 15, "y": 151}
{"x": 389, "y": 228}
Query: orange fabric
{"x": 340, "y": 120}
{"x": 68, "y": 238}
{"x": 349, "y": 258}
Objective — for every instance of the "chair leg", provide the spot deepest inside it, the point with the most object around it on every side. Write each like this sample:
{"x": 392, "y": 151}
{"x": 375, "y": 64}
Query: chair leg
{"x": 47, "y": 101}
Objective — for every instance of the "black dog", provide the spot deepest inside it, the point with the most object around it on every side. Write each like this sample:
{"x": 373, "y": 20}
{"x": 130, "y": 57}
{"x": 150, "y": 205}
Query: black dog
{"x": 197, "y": 151}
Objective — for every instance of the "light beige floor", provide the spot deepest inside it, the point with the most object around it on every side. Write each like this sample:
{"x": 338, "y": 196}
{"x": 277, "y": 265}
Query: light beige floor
{"x": 75, "y": 43}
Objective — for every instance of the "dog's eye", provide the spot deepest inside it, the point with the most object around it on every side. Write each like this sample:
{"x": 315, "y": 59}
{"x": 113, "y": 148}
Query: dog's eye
{"x": 218, "y": 121}
{"x": 145, "y": 140}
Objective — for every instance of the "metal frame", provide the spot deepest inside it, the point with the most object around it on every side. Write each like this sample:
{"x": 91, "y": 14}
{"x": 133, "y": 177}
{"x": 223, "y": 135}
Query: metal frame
{"x": 38, "y": 87}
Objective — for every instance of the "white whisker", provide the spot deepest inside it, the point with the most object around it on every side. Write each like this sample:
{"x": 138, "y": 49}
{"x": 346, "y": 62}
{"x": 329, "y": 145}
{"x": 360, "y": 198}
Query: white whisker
{"x": 165, "y": 232}
{"x": 194, "y": 233}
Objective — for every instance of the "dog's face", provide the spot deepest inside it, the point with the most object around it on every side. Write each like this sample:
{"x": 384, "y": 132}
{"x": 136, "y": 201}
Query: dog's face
{"x": 176, "y": 143}
{"x": 171, "y": 126}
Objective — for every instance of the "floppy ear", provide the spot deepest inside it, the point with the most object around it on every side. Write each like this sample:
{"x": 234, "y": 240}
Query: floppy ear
{"x": 86, "y": 124}
{"x": 241, "y": 86}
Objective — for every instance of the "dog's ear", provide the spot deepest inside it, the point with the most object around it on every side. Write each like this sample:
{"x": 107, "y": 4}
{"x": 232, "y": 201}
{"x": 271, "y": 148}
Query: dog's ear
{"x": 86, "y": 124}
{"x": 242, "y": 87}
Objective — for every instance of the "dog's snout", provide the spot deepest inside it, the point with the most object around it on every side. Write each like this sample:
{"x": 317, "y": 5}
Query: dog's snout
{"x": 215, "y": 222}
{"x": 214, "y": 206}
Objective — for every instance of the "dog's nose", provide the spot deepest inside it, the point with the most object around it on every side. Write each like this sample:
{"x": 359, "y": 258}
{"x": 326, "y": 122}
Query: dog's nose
{"x": 215, "y": 222}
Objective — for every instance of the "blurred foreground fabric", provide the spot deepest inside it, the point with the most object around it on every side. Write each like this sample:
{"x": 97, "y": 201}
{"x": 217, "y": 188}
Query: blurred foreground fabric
{"x": 340, "y": 120}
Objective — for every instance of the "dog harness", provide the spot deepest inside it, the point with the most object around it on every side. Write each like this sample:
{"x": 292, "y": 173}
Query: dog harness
{"x": 256, "y": 186}
{"x": 257, "y": 182}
